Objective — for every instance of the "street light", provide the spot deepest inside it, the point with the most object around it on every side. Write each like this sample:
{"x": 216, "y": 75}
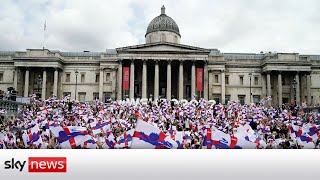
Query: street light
{"x": 39, "y": 82}
{"x": 250, "y": 75}
{"x": 75, "y": 91}
{"x": 294, "y": 86}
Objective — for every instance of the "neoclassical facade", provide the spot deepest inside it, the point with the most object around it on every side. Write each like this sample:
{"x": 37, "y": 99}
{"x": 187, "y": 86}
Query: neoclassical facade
{"x": 163, "y": 68}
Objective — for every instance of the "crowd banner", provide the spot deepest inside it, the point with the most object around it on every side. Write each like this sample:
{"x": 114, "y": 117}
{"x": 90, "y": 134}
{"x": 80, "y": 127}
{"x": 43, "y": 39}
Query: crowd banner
{"x": 199, "y": 79}
{"x": 126, "y": 77}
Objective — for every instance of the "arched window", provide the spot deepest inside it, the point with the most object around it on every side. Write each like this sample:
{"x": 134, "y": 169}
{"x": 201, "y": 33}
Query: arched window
{"x": 175, "y": 39}
{"x": 150, "y": 38}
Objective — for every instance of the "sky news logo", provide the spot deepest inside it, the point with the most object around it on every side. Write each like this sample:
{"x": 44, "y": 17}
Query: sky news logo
{"x": 39, "y": 164}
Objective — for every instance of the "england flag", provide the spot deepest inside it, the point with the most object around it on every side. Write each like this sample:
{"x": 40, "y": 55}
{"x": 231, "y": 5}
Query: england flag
{"x": 147, "y": 136}
{"x": 71, "y": 137}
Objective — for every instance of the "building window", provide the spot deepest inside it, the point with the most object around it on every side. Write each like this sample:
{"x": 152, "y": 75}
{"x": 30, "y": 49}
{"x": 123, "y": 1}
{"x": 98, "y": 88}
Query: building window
{"x": 108, "y": 77}
{"x": 107, "y": 96}
{"x": 217, "y": 98}
{"x": 241, "y": 80}
{"x": 256, "y": 99}
{"x": 175, "y": 39}
{"x": 216, "y": 78}
{"x": 241, "y": 99}
{"x": 83, "y": 77}
{"x": 95, "y": 95}
{"x": 256, "y": 80}
{"x": 227, "y": 99}
{"x": 97, "y": 78}
{"x": 67, "y": 77}
{"x": 226, "y": 79}
{"x": 82, "y": 96}
{"x": 1, "y": 76}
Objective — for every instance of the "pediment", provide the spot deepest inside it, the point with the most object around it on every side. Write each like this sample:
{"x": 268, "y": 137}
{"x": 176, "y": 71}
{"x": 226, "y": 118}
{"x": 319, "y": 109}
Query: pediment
{"x": 162, "y": 47}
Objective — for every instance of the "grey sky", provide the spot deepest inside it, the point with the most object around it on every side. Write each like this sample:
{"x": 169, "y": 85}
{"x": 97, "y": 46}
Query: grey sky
{"x": 95, "y": 25}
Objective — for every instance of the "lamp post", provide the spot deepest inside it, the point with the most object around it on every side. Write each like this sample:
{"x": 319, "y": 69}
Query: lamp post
{"x": 75, "y": 90}
{"x": 39, "y": 82}
{"x": 250, "y": 75}
{"x": 294, "y": 86}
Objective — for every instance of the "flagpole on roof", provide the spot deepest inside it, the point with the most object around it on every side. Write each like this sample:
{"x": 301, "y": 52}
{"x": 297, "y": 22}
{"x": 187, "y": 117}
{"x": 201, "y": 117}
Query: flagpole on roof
{"x": 44, "y": 33}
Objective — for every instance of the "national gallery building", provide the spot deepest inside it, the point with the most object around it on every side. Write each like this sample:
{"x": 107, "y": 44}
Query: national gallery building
{"x": 163, "y": 68}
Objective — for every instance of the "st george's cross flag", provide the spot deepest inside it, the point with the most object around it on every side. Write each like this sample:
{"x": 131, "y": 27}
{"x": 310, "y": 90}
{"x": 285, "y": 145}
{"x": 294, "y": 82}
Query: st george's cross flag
{"x": 247, "y": 133}
{"x": 34, "y": 137}
{"x": 70, "y": 137}
{"x": 125, "y": 139}
{"x": 147, "y": 136}
{"x": 304, "y": 140}
{"x": 100, "y": 127}
{"x": 220, "y": 140}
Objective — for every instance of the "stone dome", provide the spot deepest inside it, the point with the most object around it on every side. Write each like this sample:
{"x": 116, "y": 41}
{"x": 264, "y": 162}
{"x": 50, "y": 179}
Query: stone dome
{"x": 163, "y": 23}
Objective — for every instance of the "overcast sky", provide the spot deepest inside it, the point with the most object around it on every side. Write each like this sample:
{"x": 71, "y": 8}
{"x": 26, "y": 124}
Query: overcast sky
{"x": 229, "y": 25}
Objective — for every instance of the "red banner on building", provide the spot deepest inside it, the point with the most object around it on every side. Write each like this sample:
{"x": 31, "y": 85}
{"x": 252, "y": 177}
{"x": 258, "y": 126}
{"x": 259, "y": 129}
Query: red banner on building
{"x": 125, "y": 78}
{"x": 199, "y": 79}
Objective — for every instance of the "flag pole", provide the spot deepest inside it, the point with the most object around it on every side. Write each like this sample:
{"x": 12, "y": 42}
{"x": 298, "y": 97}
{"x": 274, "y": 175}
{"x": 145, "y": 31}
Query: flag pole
{"x": 44, "y": 33}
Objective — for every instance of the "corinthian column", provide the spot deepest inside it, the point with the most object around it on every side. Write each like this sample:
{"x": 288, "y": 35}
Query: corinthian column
{"x": 279, "y": 89}
{"x": 131, "y": 94}
{"x": 101, "y": 75}
{"x": 156, "y": 80}
{"x": 55, "y": 82}
{"x": 205, "y": 80}
{"x": 119, "y": 79}
{"x": 181, "y": 80}
{"x": 144, "y": 79}
{"x": 26, "y": 83}
{"x": 193, "y": 79}
{"x": 44, "y": 84}
{"x": 169, "y": 80}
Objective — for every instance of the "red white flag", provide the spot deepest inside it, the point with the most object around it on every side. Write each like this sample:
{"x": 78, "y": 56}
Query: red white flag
{"x": 199, "y": 78}
{"x": 125, "y": 78}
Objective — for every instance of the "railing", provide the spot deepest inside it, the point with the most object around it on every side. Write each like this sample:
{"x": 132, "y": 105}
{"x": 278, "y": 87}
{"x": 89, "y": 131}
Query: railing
{"x": 11, "y": 107}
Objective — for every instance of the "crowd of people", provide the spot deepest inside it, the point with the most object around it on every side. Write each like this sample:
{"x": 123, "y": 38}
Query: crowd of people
{"x": 64, "y": 123}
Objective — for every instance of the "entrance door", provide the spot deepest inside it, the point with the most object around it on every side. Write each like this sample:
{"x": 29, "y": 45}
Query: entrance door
{"x": 188, "y": 91}
{"x": 137, "y": 91}
{"x": 163, "y": 91}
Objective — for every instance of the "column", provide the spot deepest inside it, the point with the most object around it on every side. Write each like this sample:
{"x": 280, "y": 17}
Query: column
{"x": 26, "y": 84}
{"x": 144, "y": 79}
{"x": 55, "y": 82}
{"x": 156, "y": 80}
{"x": 15, "y": 80}
{"x": 169, "y": 80}
{"x": 131, "y": 94}
{"x": 279, "y": 89}
{"x": 119, "y": 79}
{"x": 309, "y": 90}
{"x": 263, "y": 81}
{"x": 298, "y": 89}
{"x": 181, "y": 80}
{"x": 114, "y": 85}
{"x": 44, "y": 85}
{"x": 193, "y": 79}
{"x": 223, "y": 87}
{"x": 268, "y": 87}
{"x": 205, "y": 80}
{"x": 101, "y": 76}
